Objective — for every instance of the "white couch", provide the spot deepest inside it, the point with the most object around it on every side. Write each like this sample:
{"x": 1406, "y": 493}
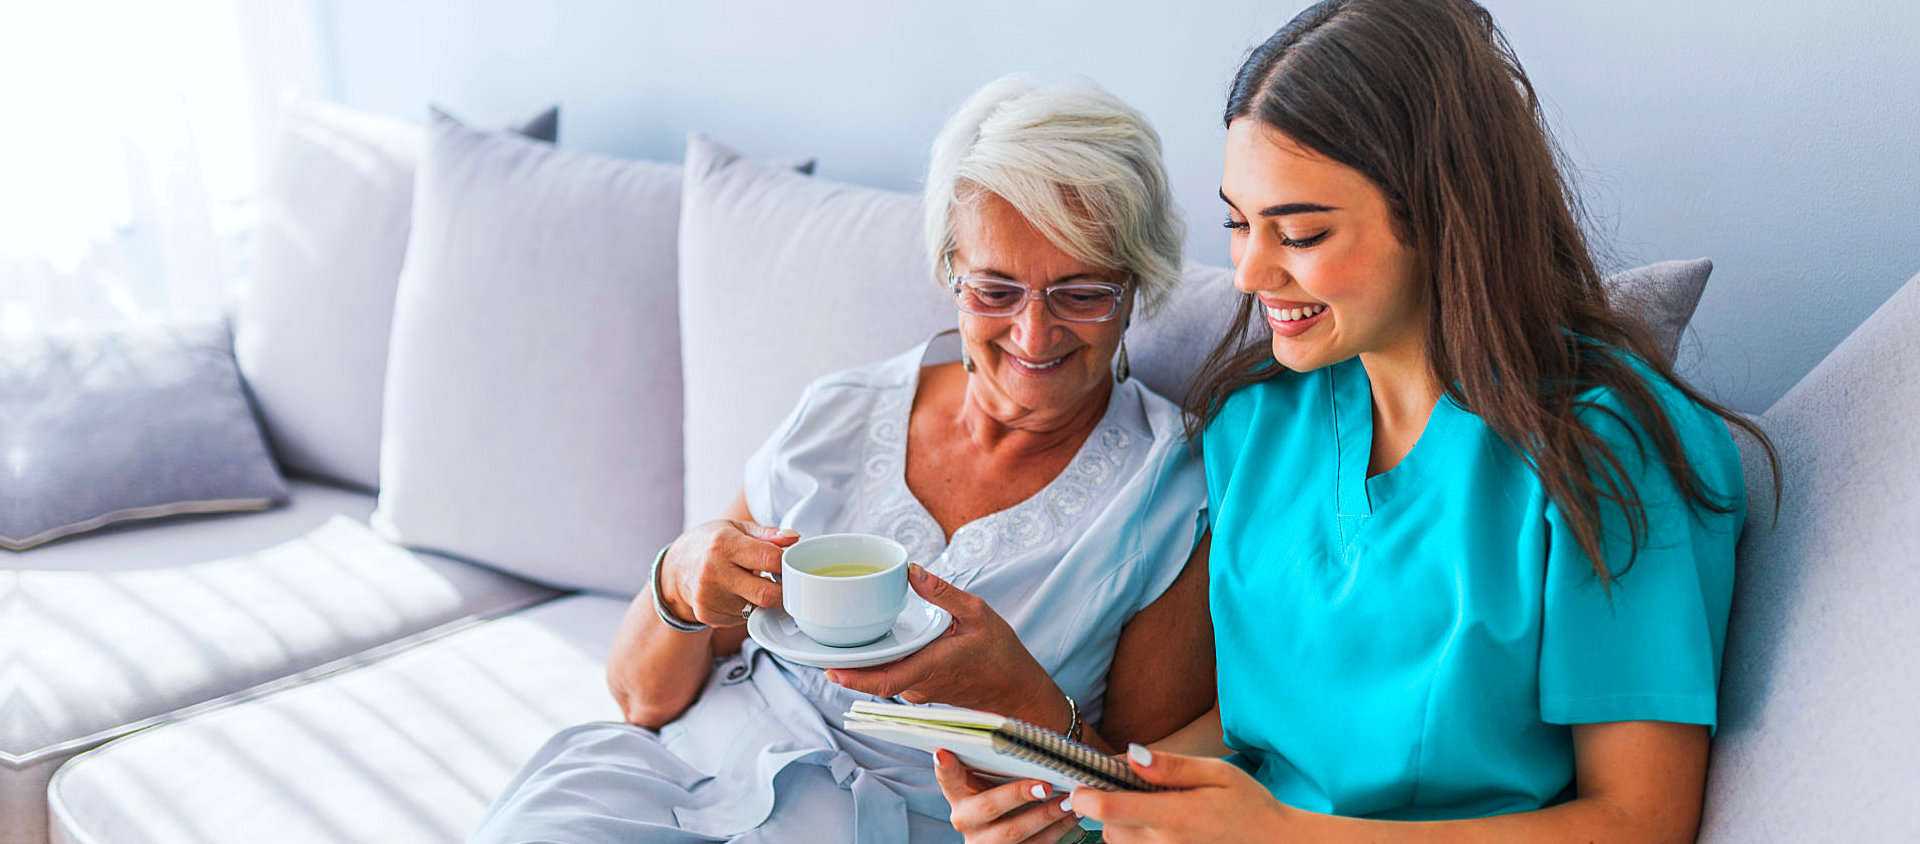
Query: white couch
{"x": 294, "y": 675}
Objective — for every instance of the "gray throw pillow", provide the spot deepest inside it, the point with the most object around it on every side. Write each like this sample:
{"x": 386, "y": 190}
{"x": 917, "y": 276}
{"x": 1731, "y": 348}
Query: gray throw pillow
{"x": 1664, "y": 294}
{"x": 104, "y": 426}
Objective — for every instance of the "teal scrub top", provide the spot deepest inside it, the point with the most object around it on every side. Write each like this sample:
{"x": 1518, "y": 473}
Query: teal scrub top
{"x": 1415, "y": 645}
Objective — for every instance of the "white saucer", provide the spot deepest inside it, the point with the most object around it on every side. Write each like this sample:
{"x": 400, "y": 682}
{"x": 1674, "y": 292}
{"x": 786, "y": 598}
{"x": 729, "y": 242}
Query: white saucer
{"x": 917, "y": 625}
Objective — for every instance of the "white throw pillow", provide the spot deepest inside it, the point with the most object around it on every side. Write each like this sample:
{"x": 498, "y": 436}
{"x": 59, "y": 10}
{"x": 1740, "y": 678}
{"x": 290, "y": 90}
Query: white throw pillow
{"x": 784, "y": 278}
{"x": 310, "y": 333}
{"x": 532, "y": 405}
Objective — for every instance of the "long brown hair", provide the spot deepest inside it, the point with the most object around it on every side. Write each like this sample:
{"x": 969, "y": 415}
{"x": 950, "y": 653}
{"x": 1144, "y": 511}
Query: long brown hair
{"x": 1426, "y": 99}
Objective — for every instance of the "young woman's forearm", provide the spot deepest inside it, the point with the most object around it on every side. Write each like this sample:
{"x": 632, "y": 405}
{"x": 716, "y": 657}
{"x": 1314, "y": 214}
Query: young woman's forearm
{"x": 1576, "y": 822}
{"x": 1203, "y": 737}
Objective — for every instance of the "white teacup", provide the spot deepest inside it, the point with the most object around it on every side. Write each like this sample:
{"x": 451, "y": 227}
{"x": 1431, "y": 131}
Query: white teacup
{"x": 837, "y": 608}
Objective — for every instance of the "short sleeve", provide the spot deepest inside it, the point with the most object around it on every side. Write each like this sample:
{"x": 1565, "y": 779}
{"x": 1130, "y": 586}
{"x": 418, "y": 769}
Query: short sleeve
{"x": 1172, "y": 521}
{"x": 1650, "y": 648}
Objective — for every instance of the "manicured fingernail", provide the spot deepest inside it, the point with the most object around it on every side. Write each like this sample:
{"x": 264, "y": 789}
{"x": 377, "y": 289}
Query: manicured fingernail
{"x": 1066, "y": 803}
{"x": 915, "y": 572}
{"x": 1039, "y": 792}
{"x": 787, "y": 534}
{"x": 1140, "y": 754}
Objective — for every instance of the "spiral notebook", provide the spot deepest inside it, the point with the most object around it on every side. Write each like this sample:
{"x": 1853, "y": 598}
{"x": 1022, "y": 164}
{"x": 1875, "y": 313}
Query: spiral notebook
{"x": 995, "y": 745}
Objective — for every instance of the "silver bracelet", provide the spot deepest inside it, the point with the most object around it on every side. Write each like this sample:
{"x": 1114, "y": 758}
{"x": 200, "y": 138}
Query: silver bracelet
{"x": 1073, "y": 722}
{"x": 660, "y": 604}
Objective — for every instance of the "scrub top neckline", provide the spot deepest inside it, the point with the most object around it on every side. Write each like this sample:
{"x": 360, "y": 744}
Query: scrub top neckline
{"x": 1358, "y": 494}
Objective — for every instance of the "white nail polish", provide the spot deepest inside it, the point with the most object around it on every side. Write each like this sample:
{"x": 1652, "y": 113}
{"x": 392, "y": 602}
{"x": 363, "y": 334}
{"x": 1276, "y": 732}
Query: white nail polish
{"x": 1039, "y": 792}
{"x": 1066, "y": 803}
{"x": 1140, "y": 754}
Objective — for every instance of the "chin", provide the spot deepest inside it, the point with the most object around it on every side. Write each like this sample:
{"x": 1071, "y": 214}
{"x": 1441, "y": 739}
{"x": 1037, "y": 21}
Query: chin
{"x": 1292, "y": 356}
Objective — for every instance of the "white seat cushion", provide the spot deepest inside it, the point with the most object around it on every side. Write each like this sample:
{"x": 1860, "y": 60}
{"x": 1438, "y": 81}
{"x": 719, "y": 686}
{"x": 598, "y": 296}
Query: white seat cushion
{"x": 183, "y": 540}
{"x": 408, "y": 749}
{"x": 90, "y": 656}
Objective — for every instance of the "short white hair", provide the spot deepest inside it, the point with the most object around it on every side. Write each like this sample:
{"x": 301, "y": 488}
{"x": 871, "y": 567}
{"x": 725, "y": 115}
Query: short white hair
{"x": 1080, "y": 165}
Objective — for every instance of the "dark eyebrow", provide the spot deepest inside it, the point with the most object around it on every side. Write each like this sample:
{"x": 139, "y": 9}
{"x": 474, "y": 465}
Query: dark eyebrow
{"x": 1284, "y": 210}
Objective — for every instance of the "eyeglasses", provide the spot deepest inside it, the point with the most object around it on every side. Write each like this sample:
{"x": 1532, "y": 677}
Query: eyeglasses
{"x": 1088, "y": 301}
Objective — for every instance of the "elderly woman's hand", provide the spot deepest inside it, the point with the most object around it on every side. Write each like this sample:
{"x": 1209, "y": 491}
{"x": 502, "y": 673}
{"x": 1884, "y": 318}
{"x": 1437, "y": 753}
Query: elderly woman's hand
{"x": 979, "y": 663}
{"x": 712, "y": 572}
{"x": 1022, "y": 811}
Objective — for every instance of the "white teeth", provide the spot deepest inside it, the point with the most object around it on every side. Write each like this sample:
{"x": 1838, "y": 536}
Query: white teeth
{"x": 1295, "y": 314}
{"x": 1048, "y": 365}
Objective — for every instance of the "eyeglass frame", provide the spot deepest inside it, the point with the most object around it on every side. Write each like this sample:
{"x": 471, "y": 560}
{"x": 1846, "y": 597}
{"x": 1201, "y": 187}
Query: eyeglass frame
{"x": 1044, "y": 294}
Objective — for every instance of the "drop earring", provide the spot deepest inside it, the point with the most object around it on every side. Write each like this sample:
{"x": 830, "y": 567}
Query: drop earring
{"x": 966, "y": 360}
{"x": 1120, "y": 368}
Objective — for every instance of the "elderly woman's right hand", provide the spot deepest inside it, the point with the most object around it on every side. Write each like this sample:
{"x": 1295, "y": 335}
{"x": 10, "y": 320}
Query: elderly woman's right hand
{"x": 712, "y": 572}
{"x": 1024, "y": 811}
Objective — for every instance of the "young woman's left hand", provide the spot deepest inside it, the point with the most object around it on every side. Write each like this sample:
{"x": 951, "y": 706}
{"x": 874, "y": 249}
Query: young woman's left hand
{"x": 979, "y": 663}
{"x": 1209, "y": 800}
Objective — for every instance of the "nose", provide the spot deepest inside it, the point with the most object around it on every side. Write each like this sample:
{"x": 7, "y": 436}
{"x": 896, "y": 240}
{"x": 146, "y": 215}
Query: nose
{"x": 1256, "y": 269}
{"x": 1033, "y": 327}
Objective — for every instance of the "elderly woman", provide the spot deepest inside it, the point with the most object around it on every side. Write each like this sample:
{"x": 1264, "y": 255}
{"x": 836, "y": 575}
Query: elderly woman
{"x": 1051, "y": 504}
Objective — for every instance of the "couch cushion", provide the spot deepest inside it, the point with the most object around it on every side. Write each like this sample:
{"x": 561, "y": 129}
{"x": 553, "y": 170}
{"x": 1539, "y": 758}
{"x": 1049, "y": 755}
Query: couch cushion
{"x": 187, "y": 539}
{"x": 1817, "y": 737}
{"x": 311, "y": 328}
{"x": 407, "y": 749}
{"x": 99, "y": 426}
{"x": 751, "y": 235}
{"x": 532, "y": 418}
{"x": 1165, "y": 347}
{"x": 1665, "y": 295}
{"x": 90, "y": 656}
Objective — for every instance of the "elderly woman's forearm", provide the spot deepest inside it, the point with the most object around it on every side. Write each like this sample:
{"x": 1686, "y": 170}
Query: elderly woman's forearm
{"x": 653, "y": 671}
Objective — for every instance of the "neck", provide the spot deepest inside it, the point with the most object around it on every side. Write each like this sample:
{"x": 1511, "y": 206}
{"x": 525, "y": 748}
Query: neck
{"x": 1404, "y": 389}
{"x": 1026, "y": 432}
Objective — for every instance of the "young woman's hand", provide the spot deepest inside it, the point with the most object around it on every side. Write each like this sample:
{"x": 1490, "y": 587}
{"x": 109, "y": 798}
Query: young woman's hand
{"x": 1019, "y": 812}
{"x": 979, "y": 663}
{"x": 1209, "y": 800}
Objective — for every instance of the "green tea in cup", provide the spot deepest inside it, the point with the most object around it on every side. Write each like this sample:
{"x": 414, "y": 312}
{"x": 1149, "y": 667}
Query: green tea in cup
{"x": 847, "y": 570}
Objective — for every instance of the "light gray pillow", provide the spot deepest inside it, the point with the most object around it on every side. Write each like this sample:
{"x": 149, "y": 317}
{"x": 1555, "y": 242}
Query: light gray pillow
{"x": 1165, "y": 347}
{"x": 532, "y": 407}
{"x": 104, "y": 426}
{"x": 784, "y": 278}
{"x": 311, "y": 330}
{"x": 1664, "y": 294}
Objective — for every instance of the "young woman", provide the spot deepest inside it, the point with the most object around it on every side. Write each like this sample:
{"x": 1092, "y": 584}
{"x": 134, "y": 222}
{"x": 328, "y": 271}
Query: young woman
{"x": 1473, "y": 540}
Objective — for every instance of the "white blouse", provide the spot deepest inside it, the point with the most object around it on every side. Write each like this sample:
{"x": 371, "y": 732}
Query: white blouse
{"x": 761, "y": 754}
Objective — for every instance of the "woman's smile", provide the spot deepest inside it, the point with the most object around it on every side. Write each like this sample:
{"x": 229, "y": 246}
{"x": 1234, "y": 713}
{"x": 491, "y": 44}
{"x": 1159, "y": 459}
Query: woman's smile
{"x": 1292, "y": 319}
{"x": 1036, "y": 367}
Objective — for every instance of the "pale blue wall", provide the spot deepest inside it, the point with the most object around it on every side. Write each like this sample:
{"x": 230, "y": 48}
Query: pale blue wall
{"x": 1775, "y": 137}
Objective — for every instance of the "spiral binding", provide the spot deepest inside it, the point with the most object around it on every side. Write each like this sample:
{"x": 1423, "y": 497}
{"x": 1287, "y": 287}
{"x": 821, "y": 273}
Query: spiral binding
{"x": 1049, "y": 750}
